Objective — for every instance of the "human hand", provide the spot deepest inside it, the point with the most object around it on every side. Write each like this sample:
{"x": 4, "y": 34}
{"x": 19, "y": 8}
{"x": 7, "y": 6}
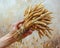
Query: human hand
{"x": 17, "y": 26}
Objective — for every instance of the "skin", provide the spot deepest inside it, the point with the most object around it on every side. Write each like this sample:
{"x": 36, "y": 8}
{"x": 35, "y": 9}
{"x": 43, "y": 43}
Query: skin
{"x": 9, "y": 38}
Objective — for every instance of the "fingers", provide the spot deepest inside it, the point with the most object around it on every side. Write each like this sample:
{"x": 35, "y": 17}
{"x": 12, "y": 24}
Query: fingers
{"x": 27, "y": 33}
{"x": 18, "y": 24}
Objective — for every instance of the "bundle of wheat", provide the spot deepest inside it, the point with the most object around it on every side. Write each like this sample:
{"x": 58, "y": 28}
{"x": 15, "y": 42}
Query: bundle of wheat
{"x": 37, "y": 18}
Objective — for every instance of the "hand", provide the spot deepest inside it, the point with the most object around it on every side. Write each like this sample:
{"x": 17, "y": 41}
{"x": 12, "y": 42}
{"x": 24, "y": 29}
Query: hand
{"x": 18, "y": 25}
{"x": 12, "y": 36}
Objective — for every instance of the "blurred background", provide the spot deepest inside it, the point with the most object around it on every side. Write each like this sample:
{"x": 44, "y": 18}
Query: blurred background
{"x": 12, "y": 11}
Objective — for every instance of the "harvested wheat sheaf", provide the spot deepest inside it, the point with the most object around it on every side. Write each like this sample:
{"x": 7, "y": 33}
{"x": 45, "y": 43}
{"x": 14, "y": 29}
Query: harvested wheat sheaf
{"x": 37, "y": 18}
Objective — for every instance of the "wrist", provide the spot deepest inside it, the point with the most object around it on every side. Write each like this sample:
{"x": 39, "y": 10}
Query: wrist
{"x": 13, "y": 35}
{"x": 7, "y": 40}
{"x": 17, "y": 34}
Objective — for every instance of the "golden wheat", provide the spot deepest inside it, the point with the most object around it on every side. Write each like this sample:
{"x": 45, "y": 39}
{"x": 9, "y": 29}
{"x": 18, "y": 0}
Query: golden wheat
{"x": 37, "y": 18}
